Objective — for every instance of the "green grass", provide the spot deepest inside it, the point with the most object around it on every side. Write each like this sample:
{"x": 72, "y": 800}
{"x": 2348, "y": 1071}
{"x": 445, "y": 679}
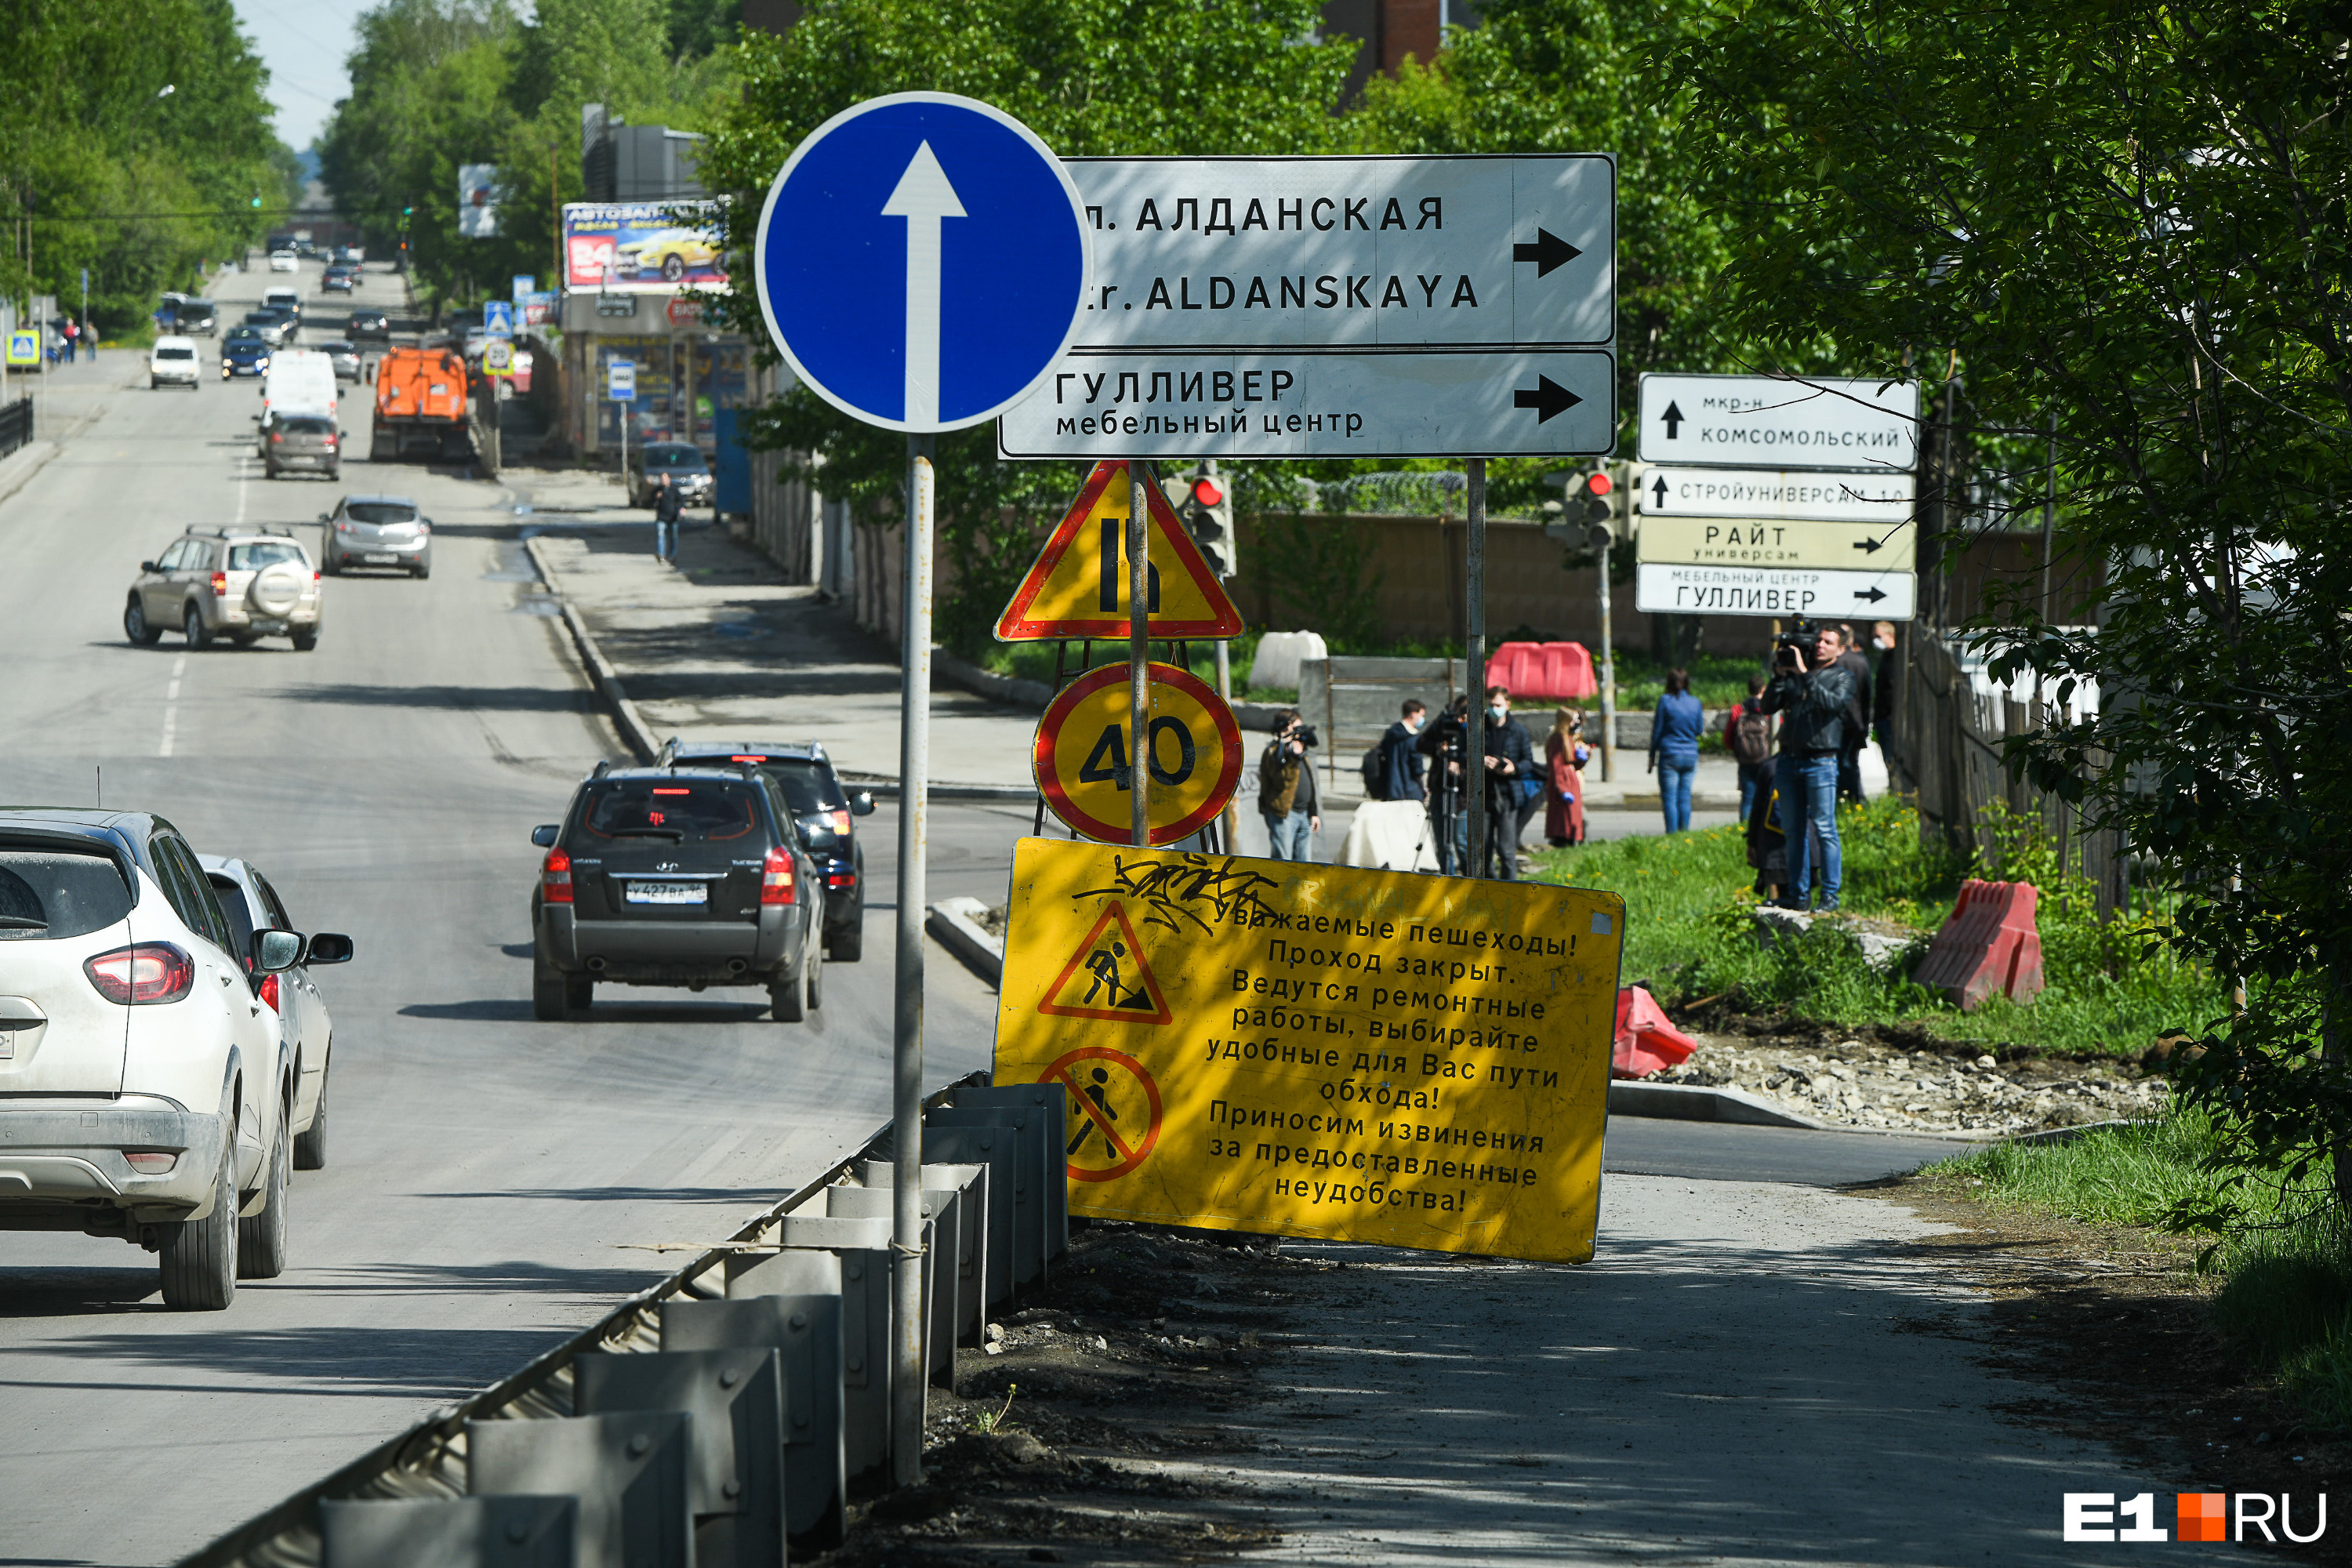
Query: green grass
{"x": 1035, "y": 661}
{"x": 1689, "y": 935}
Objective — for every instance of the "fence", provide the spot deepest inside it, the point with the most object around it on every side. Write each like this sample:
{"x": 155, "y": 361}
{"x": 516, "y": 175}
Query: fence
{"x": 16, "y": 424}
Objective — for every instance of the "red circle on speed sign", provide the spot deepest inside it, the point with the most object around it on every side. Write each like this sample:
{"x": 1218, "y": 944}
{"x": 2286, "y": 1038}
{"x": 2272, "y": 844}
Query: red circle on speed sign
{"x": 1083, "y": 750}
{"x": 1097, "y": 1094}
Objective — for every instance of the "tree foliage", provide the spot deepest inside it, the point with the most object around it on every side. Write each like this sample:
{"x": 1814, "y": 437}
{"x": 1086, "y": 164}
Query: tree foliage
{"x": 2130, "y": 218}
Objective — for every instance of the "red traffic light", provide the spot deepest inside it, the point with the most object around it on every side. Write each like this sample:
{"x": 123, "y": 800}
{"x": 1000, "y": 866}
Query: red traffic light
{"x": 1208, "y": 492}
{"x": 1597, "y": 483}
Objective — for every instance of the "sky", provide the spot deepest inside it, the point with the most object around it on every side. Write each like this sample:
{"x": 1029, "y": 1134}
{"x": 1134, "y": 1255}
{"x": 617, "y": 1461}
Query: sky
{"x": 304, "y": 43}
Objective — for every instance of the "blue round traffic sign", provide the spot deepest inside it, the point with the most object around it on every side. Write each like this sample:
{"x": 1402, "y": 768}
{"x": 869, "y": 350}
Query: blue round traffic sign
{"x": 922, "y": 260}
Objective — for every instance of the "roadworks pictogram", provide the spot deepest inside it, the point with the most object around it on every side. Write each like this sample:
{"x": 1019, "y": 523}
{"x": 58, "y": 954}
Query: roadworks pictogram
{"x": 1108, "y": 978}
{"x": 1115, "y": 1112}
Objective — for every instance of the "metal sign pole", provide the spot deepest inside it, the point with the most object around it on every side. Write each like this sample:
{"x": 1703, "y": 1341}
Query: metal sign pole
{"x": 1138, "y": 650}
{"x": 1474, "y": 751}
{"x": 907, "y": 1371}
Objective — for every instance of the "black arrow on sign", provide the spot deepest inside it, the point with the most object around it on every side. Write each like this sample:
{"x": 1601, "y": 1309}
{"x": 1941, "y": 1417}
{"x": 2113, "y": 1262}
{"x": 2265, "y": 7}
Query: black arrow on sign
{"x": 1548, "y": 398}
{"x": 1868, "y": 546}
{"x": 1873, "y": 595}
{"x": 1662, "y": 492}
{"x": 1674, "y": 421}
{"x": 1549, "y": 251}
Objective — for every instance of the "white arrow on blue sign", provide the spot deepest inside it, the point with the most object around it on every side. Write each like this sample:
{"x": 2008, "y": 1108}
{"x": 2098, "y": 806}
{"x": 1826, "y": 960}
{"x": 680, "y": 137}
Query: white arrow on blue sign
{"x": 922, "y": 260}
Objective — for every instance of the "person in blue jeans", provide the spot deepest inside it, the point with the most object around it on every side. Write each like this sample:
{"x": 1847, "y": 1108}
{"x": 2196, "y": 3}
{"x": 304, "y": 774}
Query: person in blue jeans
{"x": 1674, "y": 730}
{"x": 1810, "y": 689}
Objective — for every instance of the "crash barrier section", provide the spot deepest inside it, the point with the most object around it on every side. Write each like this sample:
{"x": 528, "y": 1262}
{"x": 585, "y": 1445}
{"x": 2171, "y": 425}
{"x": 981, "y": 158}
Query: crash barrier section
{"x": 1543, "y": 671}
{"x": 720, "y": 1419}
{"x": 1646, "y": 1040}
{"x": 1990, "y": 944}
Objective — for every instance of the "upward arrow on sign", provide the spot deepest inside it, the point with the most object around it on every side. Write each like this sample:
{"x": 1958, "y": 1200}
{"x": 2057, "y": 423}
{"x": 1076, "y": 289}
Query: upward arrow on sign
{"x": 923, "y": 198}
{"x": 1077, "y": 588}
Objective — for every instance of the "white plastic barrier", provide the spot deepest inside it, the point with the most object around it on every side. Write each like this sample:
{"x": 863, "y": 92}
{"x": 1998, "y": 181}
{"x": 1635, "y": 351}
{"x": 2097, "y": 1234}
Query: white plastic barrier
{"x": 1279, "y": 654}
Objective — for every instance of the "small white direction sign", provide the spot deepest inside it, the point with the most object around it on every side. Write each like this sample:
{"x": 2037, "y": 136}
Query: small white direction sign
{"x": 1389, "y": 403}
{"x": 1764, "y": 493}
{"x": 1690, "y": 590}
{"x": 1306, "y": 252}
{"x": 1760, "y": 421}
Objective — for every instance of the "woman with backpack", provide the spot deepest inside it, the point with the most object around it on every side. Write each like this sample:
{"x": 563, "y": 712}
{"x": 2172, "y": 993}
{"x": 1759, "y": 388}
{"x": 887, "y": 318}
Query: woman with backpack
{"x": 1747, "y": 736}
{"x": 1565, "y": 755}
{"x": 1674, "y": 730}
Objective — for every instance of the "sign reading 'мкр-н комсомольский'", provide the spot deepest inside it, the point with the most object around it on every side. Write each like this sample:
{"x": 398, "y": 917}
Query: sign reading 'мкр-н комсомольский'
{"x": 1761, "y": 421}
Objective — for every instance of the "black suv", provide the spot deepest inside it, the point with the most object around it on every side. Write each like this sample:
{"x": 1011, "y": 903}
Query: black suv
{"x": 676, "y": 876}
{"x": 372, "y": 325}
{"x": 825, "y": 812}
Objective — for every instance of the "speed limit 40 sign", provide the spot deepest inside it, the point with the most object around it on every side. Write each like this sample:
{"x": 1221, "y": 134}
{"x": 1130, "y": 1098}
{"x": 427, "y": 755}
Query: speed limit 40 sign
{"x": 1086, "y": 754}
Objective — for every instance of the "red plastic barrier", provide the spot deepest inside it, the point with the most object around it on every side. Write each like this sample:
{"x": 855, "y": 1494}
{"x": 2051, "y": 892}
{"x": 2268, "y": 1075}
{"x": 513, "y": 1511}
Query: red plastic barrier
{"x": 1646, "y": 1042}
{"x": 1543, "y": 672}
{"x": 1990, "y": 944}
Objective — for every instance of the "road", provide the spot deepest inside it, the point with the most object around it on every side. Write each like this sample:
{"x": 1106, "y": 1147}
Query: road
{"x": 486, "y": 1172}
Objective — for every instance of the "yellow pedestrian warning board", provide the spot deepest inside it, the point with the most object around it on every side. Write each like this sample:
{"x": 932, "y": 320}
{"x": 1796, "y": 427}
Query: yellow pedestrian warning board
{"x": 1316, "y": 1050}
{"x": 1085, "y": 754}
{"x": 1077, "y": 585}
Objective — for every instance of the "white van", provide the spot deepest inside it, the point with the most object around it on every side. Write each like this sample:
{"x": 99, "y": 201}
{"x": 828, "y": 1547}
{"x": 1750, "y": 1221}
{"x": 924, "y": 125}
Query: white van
{"x": 299, "y": 381}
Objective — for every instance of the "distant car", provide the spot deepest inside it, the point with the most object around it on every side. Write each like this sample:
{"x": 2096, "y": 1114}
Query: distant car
{"x": 195, "y": 319}
{"x": 827, "y": 816}
{"x": 681, "y": 461}
{"x": 376, "y": 531}
{"x": 672, "y": 252}
{"x": 285, "y": 261}
{"x": 245, "y": 352}
{"x": 348, "y": 365}
{"x": 172, "y": 363}
{"x": 307, "y": 441}
{"x": 336, "y": 280}
{"x": 372, "y": 325}
{"x": 273, "y": 325}
{"x": 351, "y": 256}
{"x": 686, "y": 877}
{"x": 253, "y": 905}
{"x": 243, "y": 583}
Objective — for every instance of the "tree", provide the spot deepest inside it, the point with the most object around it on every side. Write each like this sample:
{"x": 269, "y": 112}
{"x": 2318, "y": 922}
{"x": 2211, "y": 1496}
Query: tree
{"x": 2129, "y": 219}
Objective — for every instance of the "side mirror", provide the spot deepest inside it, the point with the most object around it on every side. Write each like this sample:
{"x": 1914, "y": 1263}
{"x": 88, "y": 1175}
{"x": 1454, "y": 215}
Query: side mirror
{"x": 327, "y": 947}
{"x": 276, "y": 950}
{"x": 148, "y": 566}
{"x": 544, "y": 835}
{"x": 324, "y": 518}
{"x": 862, "y": 804}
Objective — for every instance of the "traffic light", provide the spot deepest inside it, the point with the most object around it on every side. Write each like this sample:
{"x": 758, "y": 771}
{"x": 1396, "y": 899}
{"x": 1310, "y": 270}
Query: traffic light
{"x": 1207, "y": 509}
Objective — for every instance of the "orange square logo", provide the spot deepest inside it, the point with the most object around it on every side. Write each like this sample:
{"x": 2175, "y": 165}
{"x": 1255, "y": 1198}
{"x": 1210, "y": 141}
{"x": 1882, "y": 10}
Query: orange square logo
{"x": 2204, "y": 1516}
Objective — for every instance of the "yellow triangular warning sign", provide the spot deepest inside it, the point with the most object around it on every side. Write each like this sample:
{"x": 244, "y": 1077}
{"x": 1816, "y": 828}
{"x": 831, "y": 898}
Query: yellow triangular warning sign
{"x": 1108, "y": 978}
{"x": 1077, "y": 588}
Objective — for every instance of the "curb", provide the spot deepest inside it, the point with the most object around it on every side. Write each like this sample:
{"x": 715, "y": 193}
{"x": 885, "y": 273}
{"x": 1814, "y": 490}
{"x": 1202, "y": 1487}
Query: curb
{"x": 950, "y": 925}
{"x": 15, "y": 475}
{"x": 634, "y": 733}
{"x": 1690, "y": 1102}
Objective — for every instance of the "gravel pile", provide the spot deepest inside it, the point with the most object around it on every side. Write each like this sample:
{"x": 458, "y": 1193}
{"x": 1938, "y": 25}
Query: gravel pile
{"x": 1857, "y": 1082}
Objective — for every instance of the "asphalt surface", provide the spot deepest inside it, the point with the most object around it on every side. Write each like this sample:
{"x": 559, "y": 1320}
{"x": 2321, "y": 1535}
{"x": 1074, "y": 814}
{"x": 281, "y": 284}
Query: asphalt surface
{"x": 489, "y": 1177}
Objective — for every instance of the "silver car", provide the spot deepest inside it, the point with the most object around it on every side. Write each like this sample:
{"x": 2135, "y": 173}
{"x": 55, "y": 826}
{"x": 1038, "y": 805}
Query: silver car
{"x": 252, "y": 905}
{"x": 348, "y": 366}
{"x": 377, "y": 531}
{"x": 242, "y": 584}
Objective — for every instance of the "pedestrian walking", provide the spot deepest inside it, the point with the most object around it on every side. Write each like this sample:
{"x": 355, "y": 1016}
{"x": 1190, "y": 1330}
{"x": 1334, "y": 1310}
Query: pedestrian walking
{"x": 1857, "y": 717}
{"x": 1812, "y": 693}
{"x": 71, "y": 333}
{"x": 1286, "y": 795}
{"x": 1513, "y": 786}
{"x": 1747, "y": 736}
{"x": 1399, "y": 759}
{"x": 1885, "y": 679}
{"x": 669, "y": 502}
{"x": 1565, "y": 755}
{"x": 1674, "y": 730}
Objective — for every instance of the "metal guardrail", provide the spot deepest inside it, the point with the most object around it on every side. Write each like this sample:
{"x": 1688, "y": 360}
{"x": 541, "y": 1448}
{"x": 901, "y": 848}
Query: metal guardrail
{"x": 16, "y": 424}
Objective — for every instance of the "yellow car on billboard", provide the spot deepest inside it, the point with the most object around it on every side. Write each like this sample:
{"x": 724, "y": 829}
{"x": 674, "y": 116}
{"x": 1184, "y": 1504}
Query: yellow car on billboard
{"x": 672, "y": 252}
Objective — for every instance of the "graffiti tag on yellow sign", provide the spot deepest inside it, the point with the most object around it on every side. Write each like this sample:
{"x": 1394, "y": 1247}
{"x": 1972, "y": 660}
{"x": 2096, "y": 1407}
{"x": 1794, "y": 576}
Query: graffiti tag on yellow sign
{"x": 1316, "y": 1050}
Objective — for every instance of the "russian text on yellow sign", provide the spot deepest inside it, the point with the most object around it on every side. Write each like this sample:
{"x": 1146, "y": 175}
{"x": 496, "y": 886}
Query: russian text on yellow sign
{"x": 1077, "y": 585}
{"x": 1084, "y": 752}
{"x": 1367, "y": 1056}
{"x": 1775, "y": 542}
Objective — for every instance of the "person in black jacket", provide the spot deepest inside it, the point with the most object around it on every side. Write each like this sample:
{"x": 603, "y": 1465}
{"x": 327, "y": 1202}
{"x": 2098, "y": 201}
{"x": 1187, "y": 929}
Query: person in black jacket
{"x": 1511, "y": 768}
{"x": 1857, "y": 717}
{"x": 669, "y": 502}
{"x": 1812, "y": 691}
{"x": 1401, "y": 760}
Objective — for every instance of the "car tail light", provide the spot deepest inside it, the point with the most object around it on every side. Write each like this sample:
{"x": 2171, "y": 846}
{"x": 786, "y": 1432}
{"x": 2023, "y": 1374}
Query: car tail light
{"x": 840, "y": 820}
{"x": 148, "y": 1164}
{"x": 275, "y": 437}
{"x": 142, "y": 975}
{"x": 269, "y": 993}
{"x": 220, "y": 585}
{"x": 840, "y": 880}
{"x": 330, "y": 443}
{"x": 555, "y": 879}
{"x": 776, "y": 876}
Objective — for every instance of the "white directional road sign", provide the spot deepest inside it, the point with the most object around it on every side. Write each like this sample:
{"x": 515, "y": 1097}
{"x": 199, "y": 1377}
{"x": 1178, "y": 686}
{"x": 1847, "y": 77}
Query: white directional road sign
{"x": 921, "y": 261}
{"x": 1788, "y": 592}
{"x": 1884, "y": 499}
{"x": 1407, "y": 404}
{"x": 1757, "y": 421}
{"x": 1304, "y": 252}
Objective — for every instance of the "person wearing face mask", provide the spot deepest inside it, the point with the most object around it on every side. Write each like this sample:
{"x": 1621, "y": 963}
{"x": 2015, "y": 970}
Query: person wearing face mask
{"x": 1401, "y": 760}
{"x": 1513, "y": 783}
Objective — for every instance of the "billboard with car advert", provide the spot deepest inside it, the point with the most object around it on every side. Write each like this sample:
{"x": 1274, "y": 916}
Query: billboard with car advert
{"x": 641, "y": 247}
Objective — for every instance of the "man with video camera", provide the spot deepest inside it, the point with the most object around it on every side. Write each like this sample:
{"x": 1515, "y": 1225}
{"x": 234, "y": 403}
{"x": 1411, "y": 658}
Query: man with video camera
{"x": 1811, "y": 690}
{"x": 1286, "y": 796}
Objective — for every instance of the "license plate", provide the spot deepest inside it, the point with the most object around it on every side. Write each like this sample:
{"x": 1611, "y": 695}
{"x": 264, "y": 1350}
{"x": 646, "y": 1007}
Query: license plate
{"x": 665, "y": 893}
{"x": 380, "y": 560}
{"x": 270, "y": 628}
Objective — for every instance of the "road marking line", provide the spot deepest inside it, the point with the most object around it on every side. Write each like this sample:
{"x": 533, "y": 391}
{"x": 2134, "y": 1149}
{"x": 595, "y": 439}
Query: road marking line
{"x": 172, "y": 706}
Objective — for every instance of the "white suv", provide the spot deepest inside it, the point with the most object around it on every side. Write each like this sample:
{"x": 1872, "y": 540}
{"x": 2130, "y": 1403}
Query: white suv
{"x": 145, "y": 1088}
{"x": 174, "y": 362}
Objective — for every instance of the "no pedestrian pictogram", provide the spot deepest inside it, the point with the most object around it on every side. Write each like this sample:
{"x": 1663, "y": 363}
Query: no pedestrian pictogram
{"x": 1108, "y": 978}
{"x": 1115, "y": 1112}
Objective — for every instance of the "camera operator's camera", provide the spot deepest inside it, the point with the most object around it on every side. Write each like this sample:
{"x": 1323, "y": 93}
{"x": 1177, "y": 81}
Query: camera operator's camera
{"x": 1800, "y": 636}
{"x": 1306, "y": 736}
